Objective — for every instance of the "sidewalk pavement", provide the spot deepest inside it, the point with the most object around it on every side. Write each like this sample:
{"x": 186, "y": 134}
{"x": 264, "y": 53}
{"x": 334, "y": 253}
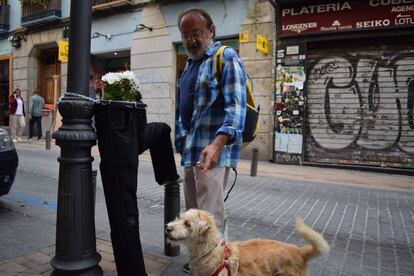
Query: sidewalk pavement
{"x": 37, "y": 262}
{"x": 348, "y": 177}
{"x": 367, "y": 217}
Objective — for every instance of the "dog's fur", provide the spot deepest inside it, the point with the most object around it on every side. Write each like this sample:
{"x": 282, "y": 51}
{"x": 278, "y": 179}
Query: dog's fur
{"x": 197, "y": 230}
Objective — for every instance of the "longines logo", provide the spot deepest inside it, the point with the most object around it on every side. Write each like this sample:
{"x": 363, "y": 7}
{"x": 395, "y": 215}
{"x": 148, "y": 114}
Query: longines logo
{"x": 300, "y": 27}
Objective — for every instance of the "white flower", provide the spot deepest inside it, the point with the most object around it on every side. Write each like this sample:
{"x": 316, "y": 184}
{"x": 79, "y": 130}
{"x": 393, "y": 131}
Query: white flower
{"x": 127, "y": 75}
{"x": 111, "y": 77}
{"x": 122, "y": 81}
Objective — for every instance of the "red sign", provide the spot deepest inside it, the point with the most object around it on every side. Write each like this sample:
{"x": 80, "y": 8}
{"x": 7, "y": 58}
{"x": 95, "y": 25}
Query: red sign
{"x": 342, "y": 16}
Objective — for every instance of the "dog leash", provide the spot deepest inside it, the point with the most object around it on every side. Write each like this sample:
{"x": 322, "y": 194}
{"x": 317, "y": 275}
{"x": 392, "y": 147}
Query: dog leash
{"x": 199, "y": 257}
{"x": 225, "y": 264}
{"x": 232, "y": 185}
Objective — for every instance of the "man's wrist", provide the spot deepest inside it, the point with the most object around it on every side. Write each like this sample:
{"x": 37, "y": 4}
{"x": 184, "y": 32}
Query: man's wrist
{"x": 221, "y": 139}
{"x": 223, "y": 133}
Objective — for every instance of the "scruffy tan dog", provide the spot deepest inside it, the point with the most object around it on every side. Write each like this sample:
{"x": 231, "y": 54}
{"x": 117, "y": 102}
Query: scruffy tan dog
{"x": 210, "y": 255}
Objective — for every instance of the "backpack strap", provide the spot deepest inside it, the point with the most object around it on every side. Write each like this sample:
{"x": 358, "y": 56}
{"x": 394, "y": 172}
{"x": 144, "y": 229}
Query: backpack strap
{"x": 218, "y": 62}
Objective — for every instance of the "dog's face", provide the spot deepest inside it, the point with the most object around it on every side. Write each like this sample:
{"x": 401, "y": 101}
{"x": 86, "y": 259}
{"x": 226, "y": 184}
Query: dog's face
{"x": 189, "y": 227}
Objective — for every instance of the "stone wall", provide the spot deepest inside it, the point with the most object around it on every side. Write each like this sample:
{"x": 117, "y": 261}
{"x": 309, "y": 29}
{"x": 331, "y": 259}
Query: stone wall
{"x": 260, "y": 20}
{"x": 153, "y": 61}
{"x": 25, "y": 65}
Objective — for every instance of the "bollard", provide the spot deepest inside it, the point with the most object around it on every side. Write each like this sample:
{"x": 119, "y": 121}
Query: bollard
{"x": 171, "y": 211}
{"x": 253, "y": 168}
{"x": 47, "y": 140}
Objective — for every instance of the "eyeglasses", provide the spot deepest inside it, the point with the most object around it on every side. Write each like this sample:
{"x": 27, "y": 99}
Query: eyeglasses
{"x": 194, "y": 34}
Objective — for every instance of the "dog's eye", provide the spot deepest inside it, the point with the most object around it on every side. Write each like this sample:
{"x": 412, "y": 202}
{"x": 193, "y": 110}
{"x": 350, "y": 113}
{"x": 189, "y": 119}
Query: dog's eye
{"x": 187, "y": 223}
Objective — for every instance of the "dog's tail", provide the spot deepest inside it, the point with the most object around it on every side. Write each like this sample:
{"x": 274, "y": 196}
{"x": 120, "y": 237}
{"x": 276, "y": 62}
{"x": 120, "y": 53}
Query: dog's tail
{"x": 317, "y": 245}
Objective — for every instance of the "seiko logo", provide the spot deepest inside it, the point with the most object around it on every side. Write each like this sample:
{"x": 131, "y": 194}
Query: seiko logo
{"x": 299, "y": 27}
{"x": 322, "y": 8}
{"x": 373, "y": 23}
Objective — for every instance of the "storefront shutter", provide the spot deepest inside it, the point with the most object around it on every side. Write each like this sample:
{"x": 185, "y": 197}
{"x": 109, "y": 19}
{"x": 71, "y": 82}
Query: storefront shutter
{"x": 360, "y": 100}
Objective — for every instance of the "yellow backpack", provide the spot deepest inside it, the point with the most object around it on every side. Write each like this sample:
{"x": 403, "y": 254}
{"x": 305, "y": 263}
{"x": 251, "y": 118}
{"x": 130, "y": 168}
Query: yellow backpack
{"x": 251, "y": 125}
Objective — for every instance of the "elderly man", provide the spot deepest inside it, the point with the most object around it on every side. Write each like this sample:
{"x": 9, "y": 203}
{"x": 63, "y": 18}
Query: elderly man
{"x": 211, "y": 115}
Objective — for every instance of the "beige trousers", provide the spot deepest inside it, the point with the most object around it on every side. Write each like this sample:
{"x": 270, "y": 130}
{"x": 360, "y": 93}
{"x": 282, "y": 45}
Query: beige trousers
{"x": 17, "y": 124}
{"x": 206, "y": 191}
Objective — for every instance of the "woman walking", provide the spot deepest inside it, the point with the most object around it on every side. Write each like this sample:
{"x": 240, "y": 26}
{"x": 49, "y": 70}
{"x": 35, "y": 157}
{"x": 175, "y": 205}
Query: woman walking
{"x": 17, "y": 115}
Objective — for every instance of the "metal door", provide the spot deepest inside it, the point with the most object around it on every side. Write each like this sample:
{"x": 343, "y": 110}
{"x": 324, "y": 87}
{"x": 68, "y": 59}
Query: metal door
{"x": 360, "y": 103}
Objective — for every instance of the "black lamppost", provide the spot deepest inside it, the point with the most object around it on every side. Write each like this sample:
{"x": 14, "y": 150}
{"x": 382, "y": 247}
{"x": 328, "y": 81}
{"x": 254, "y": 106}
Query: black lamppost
{"x": 75, "y": 228}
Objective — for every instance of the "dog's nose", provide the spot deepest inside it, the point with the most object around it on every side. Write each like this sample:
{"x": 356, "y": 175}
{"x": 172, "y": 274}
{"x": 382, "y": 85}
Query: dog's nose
{"x": 168, "y": 229}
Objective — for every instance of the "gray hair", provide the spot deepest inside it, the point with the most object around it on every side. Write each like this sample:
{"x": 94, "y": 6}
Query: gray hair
{"x": 203, "y": 13}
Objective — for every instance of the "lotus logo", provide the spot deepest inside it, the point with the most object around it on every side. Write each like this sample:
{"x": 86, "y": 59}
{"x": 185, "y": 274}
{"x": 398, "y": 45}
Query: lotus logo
{"x": 336, "y": 23}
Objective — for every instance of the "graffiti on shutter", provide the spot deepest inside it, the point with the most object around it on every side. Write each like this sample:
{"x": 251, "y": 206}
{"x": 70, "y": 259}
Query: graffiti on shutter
{"x": 360, "y": 106}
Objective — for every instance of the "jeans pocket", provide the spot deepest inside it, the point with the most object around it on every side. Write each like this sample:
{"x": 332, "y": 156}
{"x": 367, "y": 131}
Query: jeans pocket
{"x": 123, "y": 133}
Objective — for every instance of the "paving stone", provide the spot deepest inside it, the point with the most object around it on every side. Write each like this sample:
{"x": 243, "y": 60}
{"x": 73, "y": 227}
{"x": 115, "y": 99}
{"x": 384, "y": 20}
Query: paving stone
{"x": 371, "y": 231}
{"x": 11, "y": 268}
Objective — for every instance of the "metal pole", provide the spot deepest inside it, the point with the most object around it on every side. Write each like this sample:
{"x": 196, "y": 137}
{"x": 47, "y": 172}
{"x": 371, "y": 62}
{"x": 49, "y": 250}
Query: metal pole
{"x": 75, "y": 228}
{"x": 171, "y": 211}
{"x": 255, "y": 157}
{"x": 47, "y": 141}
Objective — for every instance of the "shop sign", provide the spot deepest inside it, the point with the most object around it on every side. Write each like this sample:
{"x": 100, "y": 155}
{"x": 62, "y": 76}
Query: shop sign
{"x": 345, "y": 16}
{"x": 63, "y": 50}
{"x": 262, "y": 44}
{"x": 244, "y": 37}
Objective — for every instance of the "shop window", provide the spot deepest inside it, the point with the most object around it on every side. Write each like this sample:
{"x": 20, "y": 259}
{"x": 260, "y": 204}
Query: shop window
{"x": 118, "y": 64}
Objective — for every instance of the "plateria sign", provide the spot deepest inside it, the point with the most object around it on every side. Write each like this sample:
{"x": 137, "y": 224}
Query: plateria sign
{"x": 342, "y": 16}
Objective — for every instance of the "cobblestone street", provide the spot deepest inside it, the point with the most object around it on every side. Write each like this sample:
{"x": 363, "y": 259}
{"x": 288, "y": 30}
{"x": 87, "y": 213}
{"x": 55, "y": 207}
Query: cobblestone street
{"x": 367, "y": 217}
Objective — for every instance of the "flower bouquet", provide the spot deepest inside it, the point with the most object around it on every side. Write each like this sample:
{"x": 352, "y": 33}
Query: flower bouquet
{"x": 122, "y": 86}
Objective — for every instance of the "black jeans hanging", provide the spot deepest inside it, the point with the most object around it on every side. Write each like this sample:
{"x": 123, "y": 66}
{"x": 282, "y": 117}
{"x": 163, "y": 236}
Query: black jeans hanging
{"x": 157, "y": 139}
{"x": 120, "y": 127}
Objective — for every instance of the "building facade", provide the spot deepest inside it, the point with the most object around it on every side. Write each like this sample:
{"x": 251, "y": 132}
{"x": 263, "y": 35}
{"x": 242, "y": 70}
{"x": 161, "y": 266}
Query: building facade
{"x": 138, "y": 35}
{"x": 345, "y": 83}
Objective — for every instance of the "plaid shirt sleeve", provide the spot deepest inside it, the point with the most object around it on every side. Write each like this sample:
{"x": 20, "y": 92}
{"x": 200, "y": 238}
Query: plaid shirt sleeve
{"x": 233, "y": 81}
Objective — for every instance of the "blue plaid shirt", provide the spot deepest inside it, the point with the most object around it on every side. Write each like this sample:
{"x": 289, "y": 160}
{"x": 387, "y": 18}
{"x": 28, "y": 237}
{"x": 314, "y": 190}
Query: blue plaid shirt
{"x": 216, "y": 111}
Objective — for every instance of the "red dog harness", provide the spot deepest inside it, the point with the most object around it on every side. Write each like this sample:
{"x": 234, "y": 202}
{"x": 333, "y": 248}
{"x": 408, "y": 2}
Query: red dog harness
{"x": 225, "y": 263}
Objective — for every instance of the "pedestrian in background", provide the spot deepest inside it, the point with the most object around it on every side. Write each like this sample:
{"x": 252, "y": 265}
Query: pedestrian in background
{"x": 98, "y": 92}
{"x": 36, "y": 104}
{"x": 17, "y": 115}
{"x": 211, "y": 116}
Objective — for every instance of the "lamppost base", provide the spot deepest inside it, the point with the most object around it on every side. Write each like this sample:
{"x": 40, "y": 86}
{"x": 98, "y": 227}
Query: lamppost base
{"x": 86, "y": 266}
{"x": 94, "y": 271}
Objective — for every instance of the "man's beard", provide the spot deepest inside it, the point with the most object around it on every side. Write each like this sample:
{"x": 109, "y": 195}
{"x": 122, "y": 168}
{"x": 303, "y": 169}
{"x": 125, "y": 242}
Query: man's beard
{"x": 200, "y": 54}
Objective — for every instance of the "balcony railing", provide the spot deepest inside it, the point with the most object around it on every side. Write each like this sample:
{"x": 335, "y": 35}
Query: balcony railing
{"x": 4, "y": 18}
{"x": 33, "y": 14}
{"x": 99, "y": 5}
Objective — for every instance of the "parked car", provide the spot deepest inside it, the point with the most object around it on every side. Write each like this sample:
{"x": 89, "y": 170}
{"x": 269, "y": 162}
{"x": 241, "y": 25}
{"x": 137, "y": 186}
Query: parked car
{"x": 8, "y": 162}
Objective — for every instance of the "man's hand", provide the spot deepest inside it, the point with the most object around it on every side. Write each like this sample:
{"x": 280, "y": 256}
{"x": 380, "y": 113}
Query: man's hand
{"x": 210, "y": 155}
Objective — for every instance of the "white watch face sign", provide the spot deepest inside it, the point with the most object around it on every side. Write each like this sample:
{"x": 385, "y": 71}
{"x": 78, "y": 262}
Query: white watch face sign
{"x": 292, "y": 50}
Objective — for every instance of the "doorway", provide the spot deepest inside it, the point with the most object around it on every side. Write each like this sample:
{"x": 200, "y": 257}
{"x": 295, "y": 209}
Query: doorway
{"x": 49, "y": 68}
{"x": 5, "y": 88}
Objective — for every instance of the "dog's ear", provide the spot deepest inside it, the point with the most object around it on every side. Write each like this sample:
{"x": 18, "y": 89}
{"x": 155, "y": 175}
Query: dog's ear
{"x": 204, "y": 226}
{"x": 205, "y": 221}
